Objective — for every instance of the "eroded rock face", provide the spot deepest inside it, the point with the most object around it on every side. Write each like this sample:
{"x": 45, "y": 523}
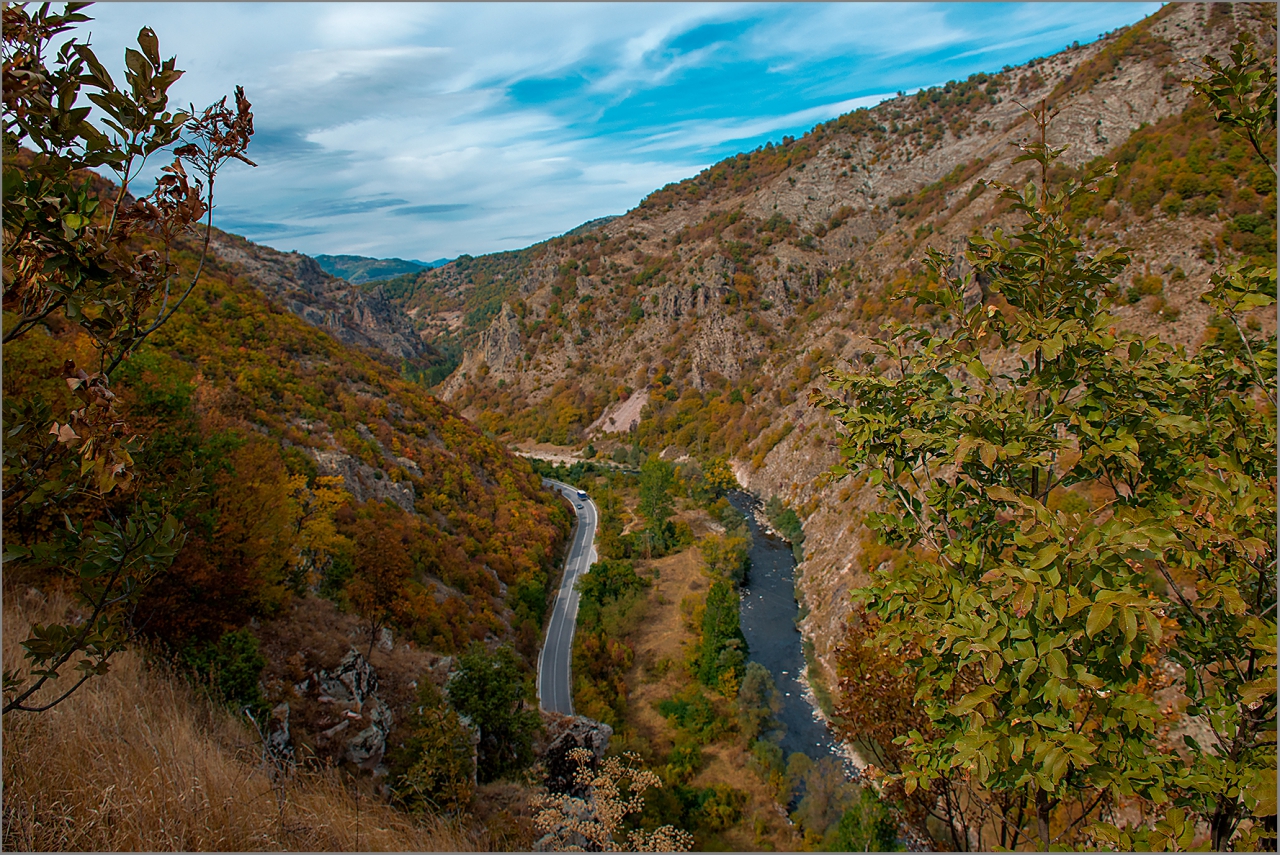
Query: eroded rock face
{"x": 351, "y": 682}
{"x": 500, "y": 351}
{"x": 366, "y": 748}
{"x": 565, "y": 733}
{"x": 362, "y": 481}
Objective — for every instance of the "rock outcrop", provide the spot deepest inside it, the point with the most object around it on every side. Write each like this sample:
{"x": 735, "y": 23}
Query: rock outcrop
{"x": 362, "y": 481}
{"x": 564, "y": 734}
{"x": 363, "y": 719}
{"x": 499, "y": 353}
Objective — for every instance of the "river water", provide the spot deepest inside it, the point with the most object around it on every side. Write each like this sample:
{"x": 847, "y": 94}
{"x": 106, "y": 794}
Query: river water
{"x": 768, "y": 616}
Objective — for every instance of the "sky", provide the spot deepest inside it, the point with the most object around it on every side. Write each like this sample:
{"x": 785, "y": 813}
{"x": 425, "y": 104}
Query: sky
{"x": 425, "y": 131}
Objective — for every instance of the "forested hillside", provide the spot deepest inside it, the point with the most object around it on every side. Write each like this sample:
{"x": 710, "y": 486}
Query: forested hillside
{"x": 283, "y": 503}
{"x": 358, "y": 269}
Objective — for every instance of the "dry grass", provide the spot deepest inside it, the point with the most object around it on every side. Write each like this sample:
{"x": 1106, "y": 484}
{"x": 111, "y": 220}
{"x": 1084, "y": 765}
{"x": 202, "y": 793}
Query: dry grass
{"x": 138, "y": 760}
{"x": 664, "y": 635}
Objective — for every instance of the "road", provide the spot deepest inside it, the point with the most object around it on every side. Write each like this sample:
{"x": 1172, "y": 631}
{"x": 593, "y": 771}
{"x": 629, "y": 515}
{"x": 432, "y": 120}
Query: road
{"x": 555, "y": 680}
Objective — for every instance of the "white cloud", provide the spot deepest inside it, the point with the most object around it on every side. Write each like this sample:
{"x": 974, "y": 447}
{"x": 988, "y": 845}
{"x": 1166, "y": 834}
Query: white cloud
{"x": 486, "y": 123}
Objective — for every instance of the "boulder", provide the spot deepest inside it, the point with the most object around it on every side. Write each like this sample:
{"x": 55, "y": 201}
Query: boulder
{"x": 565, "y": 733}
{"x": 350, "y": 683}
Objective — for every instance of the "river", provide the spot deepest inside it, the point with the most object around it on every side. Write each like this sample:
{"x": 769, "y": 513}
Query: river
{"x": 768, "y": 616}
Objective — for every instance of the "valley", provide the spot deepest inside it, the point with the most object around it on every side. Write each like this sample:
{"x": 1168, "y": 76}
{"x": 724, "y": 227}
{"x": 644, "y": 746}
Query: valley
{"x": 356, "y": 572}
{"x": 716, "y": 304}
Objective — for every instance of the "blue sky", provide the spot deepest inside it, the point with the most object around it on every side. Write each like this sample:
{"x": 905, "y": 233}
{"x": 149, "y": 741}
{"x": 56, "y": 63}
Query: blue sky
{"x": 430, "y": 130}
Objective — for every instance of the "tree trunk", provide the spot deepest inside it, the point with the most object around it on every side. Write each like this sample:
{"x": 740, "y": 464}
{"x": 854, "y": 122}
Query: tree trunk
{"x": 1042, "y": 818}
{"x": 1222, "y": 824}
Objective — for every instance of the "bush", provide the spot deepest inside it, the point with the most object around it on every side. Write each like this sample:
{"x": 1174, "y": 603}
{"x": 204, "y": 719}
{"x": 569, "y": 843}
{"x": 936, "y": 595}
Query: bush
{"x": 435, "y": 769}
{"x": 868, "y": 826}
{"x": 694, "y": 715}
{"x": 231, "y": 667}
{"x": 494, "y": 692}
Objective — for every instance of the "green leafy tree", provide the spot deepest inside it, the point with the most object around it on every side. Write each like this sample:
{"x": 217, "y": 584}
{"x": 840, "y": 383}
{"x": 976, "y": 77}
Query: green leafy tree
{"x": 722, "y": 651}
{"x": 1099, "y": 502}
{"x": 727, "y": 555}
{"x": 657, "y": 478}
{"x": 232, "y": 667}
{"x": 80, "y": 252}
{"x": 868, "y": 826}
{"x": 493, "y": 692}
{"x": 759, "y": 703}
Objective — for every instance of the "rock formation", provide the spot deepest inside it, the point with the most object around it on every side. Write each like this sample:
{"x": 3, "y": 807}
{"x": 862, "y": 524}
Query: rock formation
{"x": 363, "y": 720}
{"x": 565, "y": 733}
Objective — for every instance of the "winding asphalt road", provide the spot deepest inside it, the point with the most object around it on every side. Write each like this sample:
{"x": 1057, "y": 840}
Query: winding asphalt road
{"x": 555, "y": 680}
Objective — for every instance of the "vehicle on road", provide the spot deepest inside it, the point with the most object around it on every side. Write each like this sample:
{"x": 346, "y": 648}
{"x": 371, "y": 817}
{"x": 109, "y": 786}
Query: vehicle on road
{"x": 582, "y": 494}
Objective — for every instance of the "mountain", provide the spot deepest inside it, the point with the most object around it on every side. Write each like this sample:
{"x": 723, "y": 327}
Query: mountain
{"x": 710, "y": 309}
{"x": 358, "y": 269}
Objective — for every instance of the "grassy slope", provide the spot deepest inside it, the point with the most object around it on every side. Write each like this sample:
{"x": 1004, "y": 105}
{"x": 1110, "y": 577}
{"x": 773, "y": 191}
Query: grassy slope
{"x": 137, "y": 760}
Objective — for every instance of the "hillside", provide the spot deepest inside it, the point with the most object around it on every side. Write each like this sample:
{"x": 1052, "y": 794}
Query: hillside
{"x": 330, "y": 506}
{"x": 712, "y": 308}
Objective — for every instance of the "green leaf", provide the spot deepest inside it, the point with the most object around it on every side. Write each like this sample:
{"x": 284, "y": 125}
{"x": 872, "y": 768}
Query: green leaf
{"x": 136, "y": 62}
{"x": 1098, "y": 620}
{"x": 1045, "y": 555}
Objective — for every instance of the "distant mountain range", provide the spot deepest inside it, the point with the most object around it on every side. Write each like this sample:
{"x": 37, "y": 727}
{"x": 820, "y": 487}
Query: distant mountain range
{"x": 358, "y": 269}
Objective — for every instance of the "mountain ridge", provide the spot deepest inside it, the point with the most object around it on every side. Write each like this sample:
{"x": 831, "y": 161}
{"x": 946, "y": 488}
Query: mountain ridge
{"x": 359, "y": 269}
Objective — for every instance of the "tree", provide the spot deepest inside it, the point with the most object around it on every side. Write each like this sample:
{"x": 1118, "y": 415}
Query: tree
{"x": 657, "y": 477}
{"x": 867, "y": 826}
{"x": 759, "y": 703}
{"x": 103, "y": 268}
{"x": 438, "y": 758}
{"x": 719, "y": 476}
{"x": 379, "y": 586}
{"x": 727, "y": 556}
{"x": 492, "y": 691}
{"x": 1099, "y": 503}
{"x": 723, "y": 648}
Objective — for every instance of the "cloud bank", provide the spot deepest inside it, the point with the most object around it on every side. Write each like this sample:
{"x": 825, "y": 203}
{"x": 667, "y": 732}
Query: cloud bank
{"x": 431, "y": 130}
